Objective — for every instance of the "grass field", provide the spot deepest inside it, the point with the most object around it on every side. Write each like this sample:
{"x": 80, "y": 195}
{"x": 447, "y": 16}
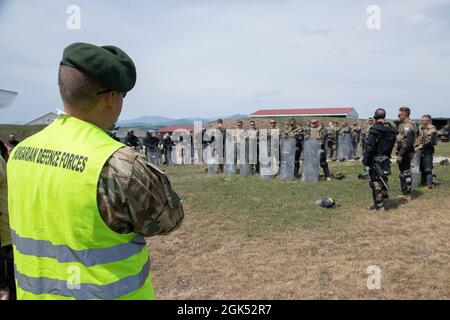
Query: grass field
{"x": 244, "y": 238}
{"x": 443, "y": 149}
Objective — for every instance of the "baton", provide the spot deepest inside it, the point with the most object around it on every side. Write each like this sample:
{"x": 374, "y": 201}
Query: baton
{"x": 384, "y": 182}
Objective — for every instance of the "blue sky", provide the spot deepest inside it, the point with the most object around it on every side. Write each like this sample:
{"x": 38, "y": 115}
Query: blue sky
{"x": 210, "y": 58}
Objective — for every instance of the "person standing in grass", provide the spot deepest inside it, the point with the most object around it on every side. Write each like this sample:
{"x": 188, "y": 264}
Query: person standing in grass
{"x": 426, "y": 142}
{"x": 406, "y": 140}
{"x": 81, "y": 203}
{"x": 377, "y": 158}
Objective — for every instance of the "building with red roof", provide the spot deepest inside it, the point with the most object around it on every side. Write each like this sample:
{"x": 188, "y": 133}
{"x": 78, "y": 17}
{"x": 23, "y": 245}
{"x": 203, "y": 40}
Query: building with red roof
{"x": 171, "y": 129}
{"x": 341, "y": 112}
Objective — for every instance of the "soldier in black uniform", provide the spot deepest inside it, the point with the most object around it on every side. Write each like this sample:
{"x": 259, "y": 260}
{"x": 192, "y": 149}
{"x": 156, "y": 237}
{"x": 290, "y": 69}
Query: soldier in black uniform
{"x": 168, "y": 145}
{"x": 131, "y": 140}
{"x": 377, "y": 158}
{"x": 151, "y": 143}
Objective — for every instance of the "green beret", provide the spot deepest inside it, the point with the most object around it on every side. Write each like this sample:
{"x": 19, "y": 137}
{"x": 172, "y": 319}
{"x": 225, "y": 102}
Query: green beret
{"x": 109, "y": 65}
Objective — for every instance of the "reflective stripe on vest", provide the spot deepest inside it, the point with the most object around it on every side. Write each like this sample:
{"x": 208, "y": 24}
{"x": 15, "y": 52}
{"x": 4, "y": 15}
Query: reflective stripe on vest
{"x": 88, "y": 257}
{"x": 85, "y": 291}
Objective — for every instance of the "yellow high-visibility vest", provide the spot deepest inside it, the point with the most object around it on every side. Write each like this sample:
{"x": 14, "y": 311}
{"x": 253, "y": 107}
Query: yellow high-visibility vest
{"x": 62, "y": 247}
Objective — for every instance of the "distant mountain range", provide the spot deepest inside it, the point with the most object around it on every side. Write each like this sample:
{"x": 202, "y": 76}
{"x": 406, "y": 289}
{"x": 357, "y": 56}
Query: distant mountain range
{"x": 157, "y": 121}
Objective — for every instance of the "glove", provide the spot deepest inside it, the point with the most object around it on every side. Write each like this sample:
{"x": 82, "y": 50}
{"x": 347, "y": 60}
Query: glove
{"x": 366, "y": 168}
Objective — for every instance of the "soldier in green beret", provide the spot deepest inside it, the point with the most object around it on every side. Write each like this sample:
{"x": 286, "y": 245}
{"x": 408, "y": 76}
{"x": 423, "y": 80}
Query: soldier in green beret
{"x": 90, "y": 199}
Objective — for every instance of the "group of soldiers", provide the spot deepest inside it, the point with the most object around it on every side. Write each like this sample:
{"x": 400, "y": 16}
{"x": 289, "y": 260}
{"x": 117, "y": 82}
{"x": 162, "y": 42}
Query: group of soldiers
{"x": 375, "y": 140}
{"x": 157, "y": 150}
{"x": 415, "y": 146}
{"x": 326, "y": 137}
{"x": 358, "y": 136}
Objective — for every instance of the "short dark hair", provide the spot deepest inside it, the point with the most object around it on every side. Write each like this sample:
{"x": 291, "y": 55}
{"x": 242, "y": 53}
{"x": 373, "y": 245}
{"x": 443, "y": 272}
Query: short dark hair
{"x": 405, "y": 109}
{"x": 380, "y": 113}
{"x": 78, "y": 89}
{"x": 427, "y": 116}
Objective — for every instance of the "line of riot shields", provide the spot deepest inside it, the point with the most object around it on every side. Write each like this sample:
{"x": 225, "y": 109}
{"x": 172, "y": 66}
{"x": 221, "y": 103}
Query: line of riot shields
{"x": 245, "y": 152}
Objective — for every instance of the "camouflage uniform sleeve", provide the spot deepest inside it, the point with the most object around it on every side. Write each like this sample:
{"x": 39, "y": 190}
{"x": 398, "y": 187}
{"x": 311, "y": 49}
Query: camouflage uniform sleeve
{"x": 134, "y": 196}
{"x": 306, "y": 133}
{"x": 431, "y": 138}
{"x": 323, "y": 135}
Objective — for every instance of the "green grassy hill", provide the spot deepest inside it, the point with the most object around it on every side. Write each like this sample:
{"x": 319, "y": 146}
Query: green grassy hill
{"x": 21, "y": 132}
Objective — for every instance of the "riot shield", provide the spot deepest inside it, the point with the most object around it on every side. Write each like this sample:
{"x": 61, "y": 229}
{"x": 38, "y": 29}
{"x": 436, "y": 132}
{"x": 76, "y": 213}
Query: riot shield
{"x": 345, "y": 147}
{"x": 167, "y": 155}
{"x": 287, "y": 165}
{"x": 181, "y": 152}
{"x": 246, "y": 158}
{"x": 245, "y": 168}
{"x": 355, "y": 145}
{"x": 7, "y": 98}
{"x": 311, "y": 160}
{"x": 212, "y": 162}
{"x": 230, "y": 154}
{"x": 415, "y": 169}
{"x": 269, "y": 155}
{"x": 153, "y": 155}
{"x": 213, "y": 153}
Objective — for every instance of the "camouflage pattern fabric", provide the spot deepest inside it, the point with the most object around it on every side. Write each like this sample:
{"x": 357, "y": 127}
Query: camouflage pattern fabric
{"x": 425, "y": 147}
{"x": 406, "y": 132}
{"x": 332, "y": 134}
{"x": 364, "y": 136}
{"x": 134, "y": 195}
{"x": 346, "y": 129}
{"x": 379, "y": 190}
{"x": 317, "y": 133}
{"x": 356, "y": 131}
{"x": 427, "y": 135}
{"x": 295, "y": 132}
{"x": 406, "y": 140}
{"x": 365, "y": 131}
